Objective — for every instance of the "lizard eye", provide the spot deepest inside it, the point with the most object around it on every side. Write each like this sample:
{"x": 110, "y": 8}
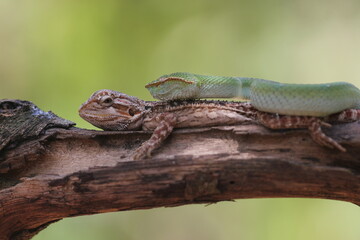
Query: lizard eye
{"x": 131, "y": 112}
{"x": 106, "y": 101}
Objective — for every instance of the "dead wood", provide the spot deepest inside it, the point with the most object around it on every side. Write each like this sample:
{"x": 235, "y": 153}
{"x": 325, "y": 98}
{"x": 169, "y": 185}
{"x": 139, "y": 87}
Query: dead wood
{"x": 59, "y": 172}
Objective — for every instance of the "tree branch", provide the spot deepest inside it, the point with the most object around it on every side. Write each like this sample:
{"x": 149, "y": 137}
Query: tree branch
{"x": 71, "y": 172}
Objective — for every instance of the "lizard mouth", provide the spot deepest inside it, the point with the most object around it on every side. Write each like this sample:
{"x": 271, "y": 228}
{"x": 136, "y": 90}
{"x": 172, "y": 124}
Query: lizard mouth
{"x": 111, "y": 121}
{"x": 90, "y": 115}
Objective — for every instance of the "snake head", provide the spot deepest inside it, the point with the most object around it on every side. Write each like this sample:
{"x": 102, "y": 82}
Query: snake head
{"x": 111, "y": 110}
{"x": 175, "y": 86}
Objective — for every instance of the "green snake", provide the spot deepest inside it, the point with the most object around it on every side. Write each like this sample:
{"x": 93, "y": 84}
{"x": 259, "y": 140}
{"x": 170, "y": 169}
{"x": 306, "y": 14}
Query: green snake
{"x": 316, "y": 100}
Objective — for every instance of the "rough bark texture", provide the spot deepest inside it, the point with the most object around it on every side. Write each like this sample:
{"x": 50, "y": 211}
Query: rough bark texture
{"x": 58, "y": 172}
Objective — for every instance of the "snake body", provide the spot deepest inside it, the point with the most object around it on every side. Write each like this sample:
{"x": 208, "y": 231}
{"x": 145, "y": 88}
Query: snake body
{"x": 316, "y": 100}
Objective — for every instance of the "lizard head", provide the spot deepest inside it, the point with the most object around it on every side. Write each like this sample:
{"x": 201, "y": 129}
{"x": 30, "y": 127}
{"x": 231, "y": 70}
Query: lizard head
{"x": 111, "y": 110}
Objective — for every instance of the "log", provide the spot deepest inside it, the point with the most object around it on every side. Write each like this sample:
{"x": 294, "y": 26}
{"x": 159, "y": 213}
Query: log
{"x": 63, "y": 171}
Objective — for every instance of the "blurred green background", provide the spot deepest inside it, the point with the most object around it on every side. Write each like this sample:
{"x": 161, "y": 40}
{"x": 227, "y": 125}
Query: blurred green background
{"x": 56, "y": 53}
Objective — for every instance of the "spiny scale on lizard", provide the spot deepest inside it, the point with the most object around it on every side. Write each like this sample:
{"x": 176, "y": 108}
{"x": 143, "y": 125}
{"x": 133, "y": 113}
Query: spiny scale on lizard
{"x": 176, "y": 105}
{"x": 198, "y": 114}
{"x": 111, "y": 110}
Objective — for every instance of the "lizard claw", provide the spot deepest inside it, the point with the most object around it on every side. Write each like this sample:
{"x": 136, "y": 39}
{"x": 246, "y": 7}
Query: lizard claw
{"x": 325, "y": 124}
{"x": 319, "y": 137}
{"x": 141, "y": 153}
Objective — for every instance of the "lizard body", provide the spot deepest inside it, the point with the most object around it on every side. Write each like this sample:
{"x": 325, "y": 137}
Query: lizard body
{"x": 111, "y": 110}
{"x": 317, "y": 100}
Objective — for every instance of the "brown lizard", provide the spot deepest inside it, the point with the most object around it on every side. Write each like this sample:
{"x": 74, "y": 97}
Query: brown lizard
{"x": 111, "y": 110}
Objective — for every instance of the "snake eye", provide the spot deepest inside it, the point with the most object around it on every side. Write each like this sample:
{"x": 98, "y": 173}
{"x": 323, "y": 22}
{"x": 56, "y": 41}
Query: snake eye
{"x": 106, "y": 101}
{"x": 131, "y": 112}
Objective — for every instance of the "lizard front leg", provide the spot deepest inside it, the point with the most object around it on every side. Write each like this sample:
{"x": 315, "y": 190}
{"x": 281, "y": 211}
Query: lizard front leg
{"x": 167, "y": 122}
{"x": 275, "y": 121}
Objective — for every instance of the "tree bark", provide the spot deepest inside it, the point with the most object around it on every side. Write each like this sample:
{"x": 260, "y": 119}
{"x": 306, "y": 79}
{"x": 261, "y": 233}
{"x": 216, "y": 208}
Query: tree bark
{"x": 59, "y": 172}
